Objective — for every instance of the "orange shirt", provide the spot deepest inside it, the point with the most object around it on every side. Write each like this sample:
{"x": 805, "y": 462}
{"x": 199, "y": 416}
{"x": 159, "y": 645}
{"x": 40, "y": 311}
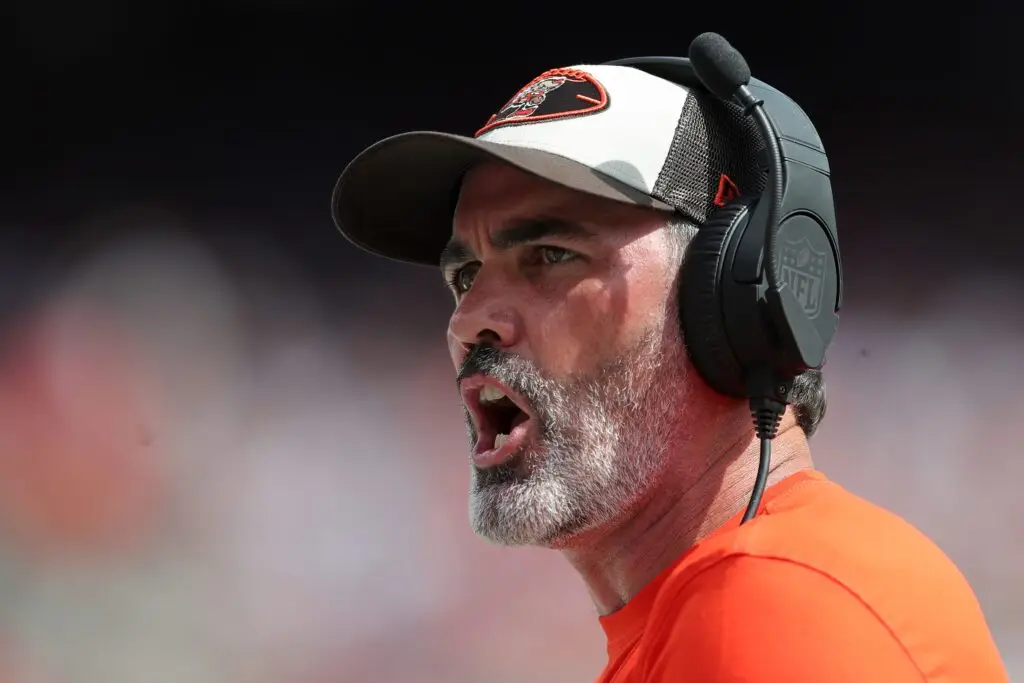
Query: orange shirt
{"x": 821, "y": 586}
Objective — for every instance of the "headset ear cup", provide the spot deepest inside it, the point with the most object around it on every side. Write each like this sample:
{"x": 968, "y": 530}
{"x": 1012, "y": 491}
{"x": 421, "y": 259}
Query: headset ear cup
{"x": 700, "y": 300}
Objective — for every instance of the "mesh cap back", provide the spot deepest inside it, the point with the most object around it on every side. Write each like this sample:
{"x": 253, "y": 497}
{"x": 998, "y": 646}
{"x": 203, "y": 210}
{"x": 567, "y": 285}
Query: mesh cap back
{"x": 713, "y": 138}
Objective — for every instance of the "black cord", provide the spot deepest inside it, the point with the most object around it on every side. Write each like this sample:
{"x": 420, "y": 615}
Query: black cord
{"x": 754, "y": 108}
{"x": 767, "y": 414}
{"x": 762, "y": 480}
{"x": 773, "y": 195}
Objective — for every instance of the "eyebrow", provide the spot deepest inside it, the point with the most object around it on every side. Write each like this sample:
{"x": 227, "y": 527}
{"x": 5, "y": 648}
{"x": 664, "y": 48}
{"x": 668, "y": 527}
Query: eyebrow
{"x": 515, "y": 234}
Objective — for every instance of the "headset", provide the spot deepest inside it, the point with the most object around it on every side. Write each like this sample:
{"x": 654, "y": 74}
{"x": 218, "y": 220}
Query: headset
{"x": 751, "y": 324}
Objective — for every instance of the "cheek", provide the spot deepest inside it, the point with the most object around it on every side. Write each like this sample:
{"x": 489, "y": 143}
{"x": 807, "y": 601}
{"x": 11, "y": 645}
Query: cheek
{"x": 595, "y": 321}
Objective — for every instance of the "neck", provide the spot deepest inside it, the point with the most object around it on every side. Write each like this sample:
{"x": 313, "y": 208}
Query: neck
{"x": 687, "y": 506}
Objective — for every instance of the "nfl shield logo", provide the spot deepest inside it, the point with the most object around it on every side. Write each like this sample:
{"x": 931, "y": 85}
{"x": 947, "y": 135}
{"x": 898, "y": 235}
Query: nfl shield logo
{"x": 803, "y": 270}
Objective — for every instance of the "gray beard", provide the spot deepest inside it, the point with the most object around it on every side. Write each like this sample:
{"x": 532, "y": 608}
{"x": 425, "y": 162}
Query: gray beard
{"x": 601, "y": 443}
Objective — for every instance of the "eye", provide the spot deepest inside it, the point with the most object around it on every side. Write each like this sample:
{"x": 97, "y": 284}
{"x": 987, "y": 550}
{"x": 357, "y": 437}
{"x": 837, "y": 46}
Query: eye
{"x": 461, "y": 279}
{"x": 552, "y": 255}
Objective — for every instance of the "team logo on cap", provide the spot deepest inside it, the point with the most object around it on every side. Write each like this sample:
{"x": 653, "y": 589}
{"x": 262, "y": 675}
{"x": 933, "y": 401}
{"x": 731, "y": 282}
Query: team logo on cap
{"x": 555, "y": 94}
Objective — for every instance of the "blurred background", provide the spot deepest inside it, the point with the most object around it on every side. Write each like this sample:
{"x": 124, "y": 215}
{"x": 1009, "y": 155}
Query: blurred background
{"x": 230, "y": 446}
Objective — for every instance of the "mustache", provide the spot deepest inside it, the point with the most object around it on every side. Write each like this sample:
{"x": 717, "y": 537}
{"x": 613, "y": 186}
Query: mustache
{"x": 483, "y": 359}
{"x": 512, "y": 370}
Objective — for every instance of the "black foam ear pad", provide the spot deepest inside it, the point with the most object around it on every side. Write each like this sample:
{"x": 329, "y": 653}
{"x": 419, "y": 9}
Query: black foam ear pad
{"x": 701, "y": 305}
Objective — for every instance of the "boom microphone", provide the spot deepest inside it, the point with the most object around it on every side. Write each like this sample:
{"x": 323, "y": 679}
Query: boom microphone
{"x": 724, "y": 71}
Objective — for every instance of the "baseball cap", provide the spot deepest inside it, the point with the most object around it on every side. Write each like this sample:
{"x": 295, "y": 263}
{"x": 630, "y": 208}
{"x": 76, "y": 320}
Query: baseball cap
{"x": 612, "y": 131}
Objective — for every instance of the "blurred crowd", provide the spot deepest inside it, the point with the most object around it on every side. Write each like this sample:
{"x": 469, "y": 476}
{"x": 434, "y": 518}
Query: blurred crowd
{"x": 214, "y": 469}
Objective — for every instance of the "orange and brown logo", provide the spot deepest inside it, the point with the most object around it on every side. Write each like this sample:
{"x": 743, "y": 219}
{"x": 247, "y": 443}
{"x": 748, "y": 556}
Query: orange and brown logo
{"x": 555, "y": 94}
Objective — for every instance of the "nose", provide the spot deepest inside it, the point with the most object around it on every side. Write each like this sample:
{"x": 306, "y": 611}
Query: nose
{"x": 486, "y": 314}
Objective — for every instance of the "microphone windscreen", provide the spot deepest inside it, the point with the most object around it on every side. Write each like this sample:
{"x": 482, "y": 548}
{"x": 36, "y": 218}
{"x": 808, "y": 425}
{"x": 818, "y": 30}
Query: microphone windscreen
{"x": 720, "y": 66}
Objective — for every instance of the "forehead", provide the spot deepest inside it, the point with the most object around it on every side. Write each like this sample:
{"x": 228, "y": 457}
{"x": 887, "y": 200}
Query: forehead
{"x": 494, "y": 193}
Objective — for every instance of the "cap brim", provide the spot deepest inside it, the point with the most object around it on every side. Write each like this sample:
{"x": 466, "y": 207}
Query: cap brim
{"x": 397, "y": 198}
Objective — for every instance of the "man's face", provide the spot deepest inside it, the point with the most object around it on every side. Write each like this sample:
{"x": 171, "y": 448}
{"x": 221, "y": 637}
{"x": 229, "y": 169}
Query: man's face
{"x": 566, "y": 341}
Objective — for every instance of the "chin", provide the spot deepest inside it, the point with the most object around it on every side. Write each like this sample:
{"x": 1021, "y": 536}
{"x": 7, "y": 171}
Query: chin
{"x": 565, "y": 537}
{"x": 511, "y": 510}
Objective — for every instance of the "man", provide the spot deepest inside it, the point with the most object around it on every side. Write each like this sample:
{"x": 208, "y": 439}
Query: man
{"x": 560, "y": 229}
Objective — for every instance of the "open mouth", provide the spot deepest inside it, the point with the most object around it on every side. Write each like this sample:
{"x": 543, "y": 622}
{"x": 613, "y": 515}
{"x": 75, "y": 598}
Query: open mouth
{"x": 500, "y": 417}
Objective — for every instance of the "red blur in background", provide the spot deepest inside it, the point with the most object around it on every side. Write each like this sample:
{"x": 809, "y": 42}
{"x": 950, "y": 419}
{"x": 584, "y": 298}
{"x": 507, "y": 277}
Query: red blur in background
{"x": 78, "y": 465}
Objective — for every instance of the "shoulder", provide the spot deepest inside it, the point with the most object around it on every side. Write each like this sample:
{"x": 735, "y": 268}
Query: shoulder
{"x": 769, "y": 618}
{"x": 824, "y": 586}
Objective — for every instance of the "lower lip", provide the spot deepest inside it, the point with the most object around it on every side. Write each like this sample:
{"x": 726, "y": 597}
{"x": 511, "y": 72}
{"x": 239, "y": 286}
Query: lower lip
{"x": 497, "y": 456}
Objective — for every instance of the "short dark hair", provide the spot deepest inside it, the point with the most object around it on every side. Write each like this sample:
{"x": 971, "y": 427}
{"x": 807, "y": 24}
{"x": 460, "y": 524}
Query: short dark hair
{"x": 808, "y": 393}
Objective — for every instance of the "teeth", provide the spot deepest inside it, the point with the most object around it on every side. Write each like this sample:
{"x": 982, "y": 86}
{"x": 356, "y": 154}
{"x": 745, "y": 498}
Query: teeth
{"x": 491, "y": 394}
{"x": 500, "y": 440}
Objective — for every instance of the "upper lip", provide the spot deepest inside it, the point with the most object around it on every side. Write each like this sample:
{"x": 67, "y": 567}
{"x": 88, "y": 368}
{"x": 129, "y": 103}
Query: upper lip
{"x": 470, "y": 388}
